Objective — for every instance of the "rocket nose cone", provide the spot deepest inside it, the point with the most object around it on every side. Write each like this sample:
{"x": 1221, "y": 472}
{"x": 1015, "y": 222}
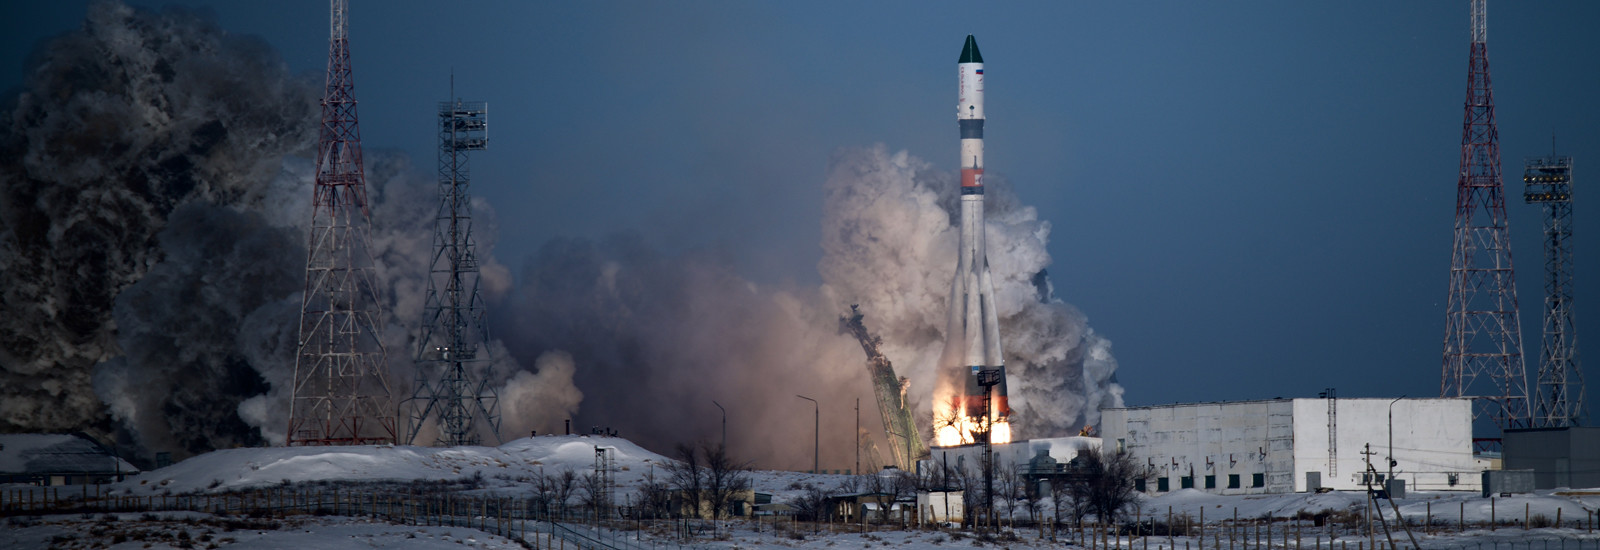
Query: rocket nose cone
{"x": 969, "y": 51}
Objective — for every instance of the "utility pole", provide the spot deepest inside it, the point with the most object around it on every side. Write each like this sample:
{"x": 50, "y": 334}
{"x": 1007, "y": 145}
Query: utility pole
{"x": 724, "y": 425}
{"x": 858, "y": 436}
{"x": 816, "y": 431}
{"x": 1390, "y": 480}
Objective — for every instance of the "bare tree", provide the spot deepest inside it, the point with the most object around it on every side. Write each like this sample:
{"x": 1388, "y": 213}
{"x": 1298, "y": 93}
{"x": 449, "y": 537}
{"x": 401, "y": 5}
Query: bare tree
{"x": 812, "y": 503}
{"x": 564, "y": 485}
{"x": 688, "y": 478}
{"x": 593, "y": 497}
{"x": 544, "y": 492}
{"x": 1033, "y": 500}
{"x": 655, "y": 498}
{"x": 1010, "y": 486}
{"x": 1107, "y": 483}
{"x": 972, "y": 498}
{"x": 951, "y": 416}
{"x": 725, "y": 480}
{"x": 900, "y": 485}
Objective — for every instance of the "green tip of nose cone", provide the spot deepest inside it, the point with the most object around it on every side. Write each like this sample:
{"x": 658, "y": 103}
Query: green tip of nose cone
{"x": 969, "y": 52}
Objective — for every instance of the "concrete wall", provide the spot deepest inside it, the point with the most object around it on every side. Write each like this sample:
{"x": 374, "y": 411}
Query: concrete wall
{"x": 1221, "y": 440}
{"x": 1559, "y": 457}
{"x": 1283, "y": 440}
{"x": 1432, "y": 442}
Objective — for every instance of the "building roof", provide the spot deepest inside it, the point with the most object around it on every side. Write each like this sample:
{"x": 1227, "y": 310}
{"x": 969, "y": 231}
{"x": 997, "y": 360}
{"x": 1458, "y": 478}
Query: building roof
{"x": 1279, "y": 400}
{"x": 57, "y": 454}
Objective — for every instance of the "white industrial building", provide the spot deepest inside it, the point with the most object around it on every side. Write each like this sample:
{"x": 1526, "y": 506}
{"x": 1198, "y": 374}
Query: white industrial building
{"x": 1293, "y": 445}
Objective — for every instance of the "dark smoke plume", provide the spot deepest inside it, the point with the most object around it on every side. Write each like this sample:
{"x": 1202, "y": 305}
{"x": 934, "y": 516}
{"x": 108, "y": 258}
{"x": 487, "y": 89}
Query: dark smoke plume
{"x": 154, "y": 191}
{"x": 119, "y": 124}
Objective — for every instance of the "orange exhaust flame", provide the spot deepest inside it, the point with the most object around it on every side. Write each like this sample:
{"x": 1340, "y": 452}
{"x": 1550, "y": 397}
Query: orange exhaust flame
{"x": 952, "y": 425}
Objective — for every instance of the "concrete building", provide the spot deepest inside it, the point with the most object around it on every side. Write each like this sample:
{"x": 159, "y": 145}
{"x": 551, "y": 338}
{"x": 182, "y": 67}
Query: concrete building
{"x": 58, "y": 459}
{"x": 1559, "y": 457}
{"x": 1293, "y": 445}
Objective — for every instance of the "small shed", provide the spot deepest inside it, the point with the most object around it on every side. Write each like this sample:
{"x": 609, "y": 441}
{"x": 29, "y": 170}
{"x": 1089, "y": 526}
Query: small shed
{"x": 58, "y": 459}
{"x": 940, "y": 506}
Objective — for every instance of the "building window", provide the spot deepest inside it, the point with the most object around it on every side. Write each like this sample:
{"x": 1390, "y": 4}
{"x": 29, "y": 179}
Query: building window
{"x": 1211, "y": 482}
{"x": 1233, "y": 481}
{"x": 1138, "y": 485}
{"x": 1258, "y": 480}
{"x": 1122, "y": 445}
{"x": 1161, "y": 485}
{"x": 1187, "y": 482}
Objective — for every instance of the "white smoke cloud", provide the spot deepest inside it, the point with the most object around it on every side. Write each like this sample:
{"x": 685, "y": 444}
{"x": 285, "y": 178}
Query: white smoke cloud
{"x": 541, "y": 400}
{"x": 889, "y": 239}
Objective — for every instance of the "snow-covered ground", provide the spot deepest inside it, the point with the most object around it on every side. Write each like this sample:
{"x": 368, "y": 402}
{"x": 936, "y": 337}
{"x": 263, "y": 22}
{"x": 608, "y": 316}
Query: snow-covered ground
{"x": 193, "y": 530}
{"x": 508, "y": 470}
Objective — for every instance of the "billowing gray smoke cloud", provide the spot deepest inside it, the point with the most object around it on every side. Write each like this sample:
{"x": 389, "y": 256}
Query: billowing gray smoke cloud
{"x": 121, "y": 123}
{"x": 658, "y": 337}
{"x": 154, "y": 192}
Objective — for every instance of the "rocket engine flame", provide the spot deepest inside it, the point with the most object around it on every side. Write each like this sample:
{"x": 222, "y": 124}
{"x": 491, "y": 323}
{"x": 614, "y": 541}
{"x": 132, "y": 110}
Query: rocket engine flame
{"x": 955, "y": 425}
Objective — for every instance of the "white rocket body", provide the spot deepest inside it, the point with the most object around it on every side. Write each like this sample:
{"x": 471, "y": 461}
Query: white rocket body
{"x": 973, "y": 334}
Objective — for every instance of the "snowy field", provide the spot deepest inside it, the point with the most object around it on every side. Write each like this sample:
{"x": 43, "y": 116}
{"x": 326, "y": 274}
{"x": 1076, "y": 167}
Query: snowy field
{"x": 506, "y": 471}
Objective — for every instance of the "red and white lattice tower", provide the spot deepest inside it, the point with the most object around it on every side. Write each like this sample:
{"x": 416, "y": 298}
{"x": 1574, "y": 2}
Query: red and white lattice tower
{"x": 1483, "y": 331}
{"x": 341, "y": 387}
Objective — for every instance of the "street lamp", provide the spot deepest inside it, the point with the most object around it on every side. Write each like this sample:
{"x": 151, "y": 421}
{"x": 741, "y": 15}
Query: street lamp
{"x": 816, "y": 426}
{"x": 724, "y": 425}
{"x": 1391, "y": 441}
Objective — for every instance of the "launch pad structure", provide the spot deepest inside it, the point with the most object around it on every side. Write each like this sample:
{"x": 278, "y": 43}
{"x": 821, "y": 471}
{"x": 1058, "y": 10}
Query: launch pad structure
{"x": 1558, "y": 402}
{"x": 452, "y": 359}
{"x": 341, "y": 393}
{"x": 898, "y": 423}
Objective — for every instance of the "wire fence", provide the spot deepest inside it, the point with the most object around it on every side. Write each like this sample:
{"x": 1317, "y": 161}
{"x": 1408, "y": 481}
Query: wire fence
{"x": 539, "y": 527}
{"x": 517, "y": 519}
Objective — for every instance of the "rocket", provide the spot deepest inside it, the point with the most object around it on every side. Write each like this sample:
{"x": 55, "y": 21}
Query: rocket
{"x": 973, "y": 331}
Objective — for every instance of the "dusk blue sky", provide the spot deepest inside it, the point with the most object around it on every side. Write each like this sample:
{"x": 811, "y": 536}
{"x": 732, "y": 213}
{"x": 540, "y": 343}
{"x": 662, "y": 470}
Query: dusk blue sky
{"x": 1249, "y": 199}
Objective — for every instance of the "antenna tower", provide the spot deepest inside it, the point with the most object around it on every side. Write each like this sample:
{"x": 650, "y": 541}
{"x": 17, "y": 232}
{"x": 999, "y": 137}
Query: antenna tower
{"x": 1483, "y": 338}
{"x": 341, "y": 387}
{"x": 1559, "y": 400}
{"x": 452, "y": 350}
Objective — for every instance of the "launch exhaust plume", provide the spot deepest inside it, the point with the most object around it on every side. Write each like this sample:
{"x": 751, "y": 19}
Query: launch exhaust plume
{"x": 654, "y": 333}
{"x": 890, "y": 229}
{"x": 153, "y": 186}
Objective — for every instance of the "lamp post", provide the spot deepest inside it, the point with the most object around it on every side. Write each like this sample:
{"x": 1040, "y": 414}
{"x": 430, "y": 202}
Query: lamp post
{"x": 724, "y": 424}
{"x": 816, "y": 430}
{"x": 1391, "y": 442}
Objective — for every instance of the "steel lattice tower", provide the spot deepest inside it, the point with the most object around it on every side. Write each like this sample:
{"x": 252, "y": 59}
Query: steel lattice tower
{"x": 1559, "y": 401}
{"x": 1483, "y": 337}
{"x": 453, "y": 363}
{"x": 341, "y": 387}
